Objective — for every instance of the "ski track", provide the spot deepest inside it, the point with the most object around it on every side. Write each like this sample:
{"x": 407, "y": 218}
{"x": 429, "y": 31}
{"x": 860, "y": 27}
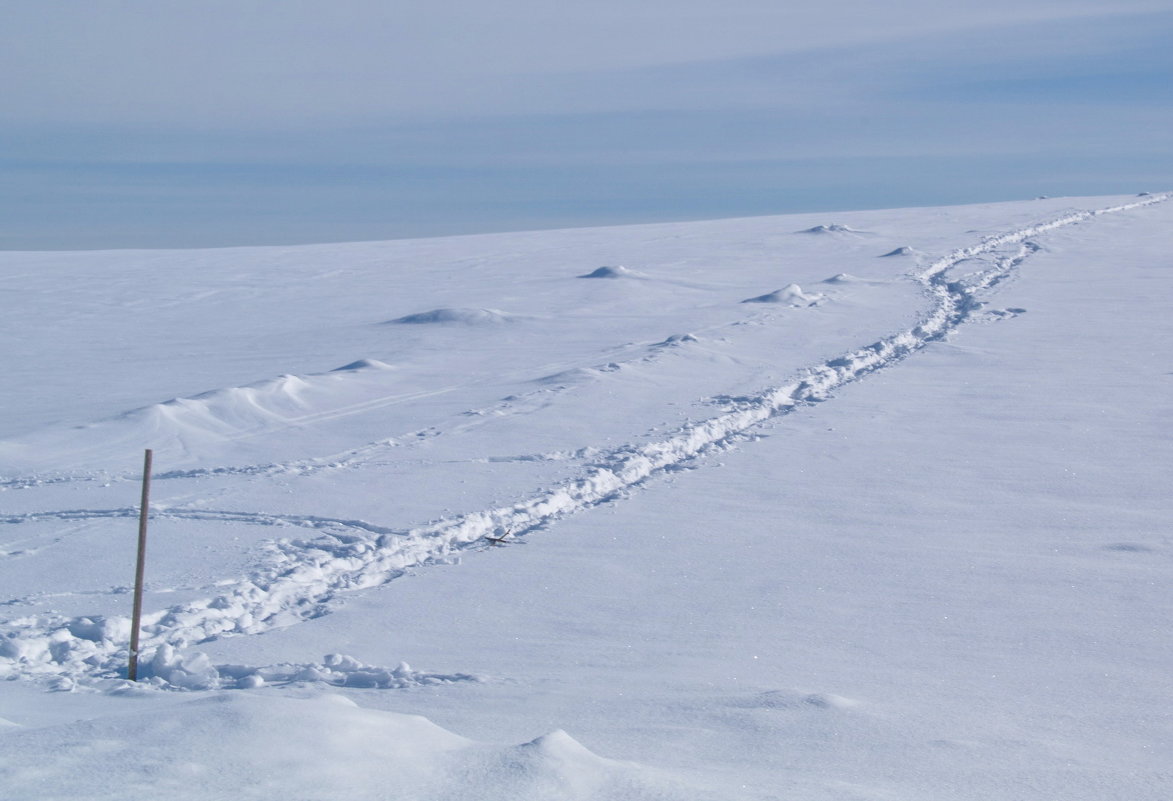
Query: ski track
{"x": 305, "y": 576}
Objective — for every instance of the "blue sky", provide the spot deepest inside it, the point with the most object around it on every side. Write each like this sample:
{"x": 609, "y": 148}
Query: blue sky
{"x": 132, "y": 124}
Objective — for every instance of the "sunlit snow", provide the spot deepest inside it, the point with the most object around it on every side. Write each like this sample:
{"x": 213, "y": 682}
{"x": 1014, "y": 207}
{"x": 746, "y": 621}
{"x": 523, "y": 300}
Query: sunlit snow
{"x": 781, "y": 508}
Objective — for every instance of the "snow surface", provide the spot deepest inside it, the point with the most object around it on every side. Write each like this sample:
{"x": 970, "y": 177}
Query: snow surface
{"x": 739, "y": 542}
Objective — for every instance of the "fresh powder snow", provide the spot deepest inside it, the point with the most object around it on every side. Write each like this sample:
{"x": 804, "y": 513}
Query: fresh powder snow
{"x": 437, "y": 519}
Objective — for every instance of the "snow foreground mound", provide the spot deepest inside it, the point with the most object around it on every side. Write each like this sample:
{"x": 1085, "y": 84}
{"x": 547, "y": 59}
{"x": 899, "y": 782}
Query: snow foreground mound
{"x": 251, "y": 746}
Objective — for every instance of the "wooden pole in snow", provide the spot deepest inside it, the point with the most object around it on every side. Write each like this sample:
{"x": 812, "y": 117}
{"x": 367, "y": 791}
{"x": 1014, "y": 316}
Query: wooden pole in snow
{"x": 140, "y": 566}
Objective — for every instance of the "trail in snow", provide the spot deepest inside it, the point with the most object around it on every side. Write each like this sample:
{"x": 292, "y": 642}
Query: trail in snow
{"x": 305, "y": 575}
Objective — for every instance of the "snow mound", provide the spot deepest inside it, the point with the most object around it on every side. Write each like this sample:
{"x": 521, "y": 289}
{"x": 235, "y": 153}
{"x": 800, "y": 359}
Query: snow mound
{"x": 556, "y": 766}
{"x": 247, "y": 745}
{"x": 579, "y": 374}
{"x": 833, "y": 228}
{"x": 223, "y": 412}
{"x": 842, "y": 278}
{"x": 456, "y": 316}
{"x": 363, "y": 364}
{"x": 790, "y": 294}
{"x": 617, "y": 271}
{"x": 559, "y": 744}
{"x": 202, "y": 426}
{"x": 903, "y": 250}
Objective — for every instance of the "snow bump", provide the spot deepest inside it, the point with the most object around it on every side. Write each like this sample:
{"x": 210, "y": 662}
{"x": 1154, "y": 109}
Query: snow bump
{"x": 362, "y": 364}
{"x": 791, "y": 295}
{"x": 904, "y": 250}
{"x": 833, "y": 228}
{"x": 456, "y": 316}
{"x": 618, "y": 271}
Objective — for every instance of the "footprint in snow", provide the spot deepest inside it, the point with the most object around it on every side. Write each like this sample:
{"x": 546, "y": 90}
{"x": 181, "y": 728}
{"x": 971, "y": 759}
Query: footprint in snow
{"x": 994, "y": 315}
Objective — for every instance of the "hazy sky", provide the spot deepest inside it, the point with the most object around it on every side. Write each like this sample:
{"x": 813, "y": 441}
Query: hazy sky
{"x": 158, "y": 123}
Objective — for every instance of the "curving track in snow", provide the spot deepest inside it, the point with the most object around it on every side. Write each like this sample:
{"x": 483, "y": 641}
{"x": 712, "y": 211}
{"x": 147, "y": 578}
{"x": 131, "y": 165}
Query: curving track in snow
{"x": 305, "y": 575}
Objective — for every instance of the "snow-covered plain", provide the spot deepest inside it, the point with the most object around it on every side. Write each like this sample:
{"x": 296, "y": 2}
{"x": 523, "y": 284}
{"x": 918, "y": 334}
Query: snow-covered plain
{"x": 871, "y": 507}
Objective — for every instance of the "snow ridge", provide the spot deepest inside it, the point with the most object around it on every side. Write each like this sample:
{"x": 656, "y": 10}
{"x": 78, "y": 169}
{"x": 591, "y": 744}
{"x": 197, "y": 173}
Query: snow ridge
{"x": 305, "y": 575}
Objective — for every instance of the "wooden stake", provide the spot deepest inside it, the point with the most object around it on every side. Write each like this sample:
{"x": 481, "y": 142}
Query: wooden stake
{"x": 140, "y": 566}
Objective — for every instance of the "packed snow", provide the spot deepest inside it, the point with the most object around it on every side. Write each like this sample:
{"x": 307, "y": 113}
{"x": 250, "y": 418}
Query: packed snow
{"x": 907, "y": 536}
